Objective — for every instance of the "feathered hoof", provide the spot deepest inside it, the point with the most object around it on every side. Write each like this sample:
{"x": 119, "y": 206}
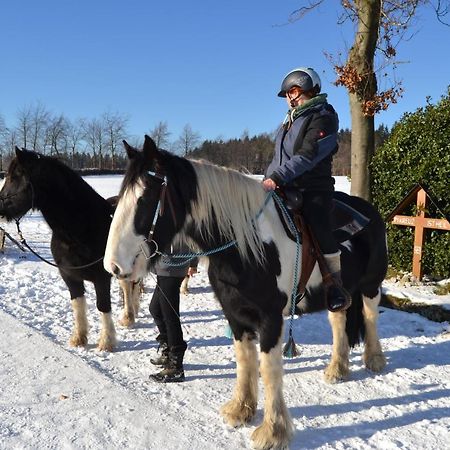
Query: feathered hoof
{"x": 275, "y": 435}
{"x": 77, "y": 340}
{"x": 336, "y": 373}
{"x": 375, "y": 362}
{"x": 127, "y": 321}
{"x": 106, "y": 344}
{"x": 236, "y": 413}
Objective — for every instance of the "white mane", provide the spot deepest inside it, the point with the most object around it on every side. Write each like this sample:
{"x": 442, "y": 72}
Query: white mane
{"x": 229, "y": 201}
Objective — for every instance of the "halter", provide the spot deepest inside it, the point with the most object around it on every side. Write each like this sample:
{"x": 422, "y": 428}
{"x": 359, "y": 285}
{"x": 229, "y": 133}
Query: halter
{"x": 145, "y": 245}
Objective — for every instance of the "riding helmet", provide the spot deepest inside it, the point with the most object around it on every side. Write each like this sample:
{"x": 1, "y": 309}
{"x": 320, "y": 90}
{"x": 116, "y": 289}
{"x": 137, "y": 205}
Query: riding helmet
{"x": 303, "y": 77}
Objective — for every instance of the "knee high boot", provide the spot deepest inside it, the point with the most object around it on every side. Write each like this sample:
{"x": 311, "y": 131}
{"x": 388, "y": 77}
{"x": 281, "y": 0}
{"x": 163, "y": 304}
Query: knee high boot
{"x": 163, "y": 358}
{"x": 338, "y": 299}
{"x": 173, "y": 371}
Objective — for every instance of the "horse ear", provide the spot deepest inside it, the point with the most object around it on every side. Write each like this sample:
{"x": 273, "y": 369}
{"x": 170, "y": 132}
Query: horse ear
{"x": 17, "y": 149}
{"x": 131, "y": 152}
{"x": 150, "y": 150}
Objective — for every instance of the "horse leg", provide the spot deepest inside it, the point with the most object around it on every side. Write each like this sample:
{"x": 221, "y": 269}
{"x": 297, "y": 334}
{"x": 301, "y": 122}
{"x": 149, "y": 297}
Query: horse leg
{"x": 138, "y": 290}
{"x": 128, "y": 316}
{"x": 184, "y": 288}
{"x": 338, "y": 370}
{"x": 107, "y": 340}
{"x": 242, "y": 407}
{"x": 373, "y": 357}
{"x": 79, "y": 336}
{"x": 277, "y": 428}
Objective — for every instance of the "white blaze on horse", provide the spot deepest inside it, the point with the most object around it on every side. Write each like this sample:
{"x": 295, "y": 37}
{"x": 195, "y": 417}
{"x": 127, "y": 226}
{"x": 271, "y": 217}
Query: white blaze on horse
{"x": 79, "y": 218}
{"x": 165, "y": 197}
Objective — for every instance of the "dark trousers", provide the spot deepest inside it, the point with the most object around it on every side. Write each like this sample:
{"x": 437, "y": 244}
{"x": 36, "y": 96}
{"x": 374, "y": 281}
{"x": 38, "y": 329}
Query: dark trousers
{"x": 165, "y": 310}
{"x": 316, "y": 210}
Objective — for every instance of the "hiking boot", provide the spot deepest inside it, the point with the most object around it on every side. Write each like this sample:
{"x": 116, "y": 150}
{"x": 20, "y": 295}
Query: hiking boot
{"x": 173, "y": 371}
{"x": 337, "y": 297}
{"x": 163, "y": 359}
{"x": 169, "y": 374}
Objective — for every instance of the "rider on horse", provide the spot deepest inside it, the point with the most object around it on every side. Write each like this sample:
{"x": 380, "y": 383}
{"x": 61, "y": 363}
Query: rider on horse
{"x": 304, "y": 148}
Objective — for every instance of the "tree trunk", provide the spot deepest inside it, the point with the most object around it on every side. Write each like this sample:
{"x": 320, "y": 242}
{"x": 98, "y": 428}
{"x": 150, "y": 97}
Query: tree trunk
{"x": 362, "y": 148}
{"x": 361, "y": 59}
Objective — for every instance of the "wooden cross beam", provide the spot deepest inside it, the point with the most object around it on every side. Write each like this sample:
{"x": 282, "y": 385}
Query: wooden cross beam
{"x": 420, "y": 222}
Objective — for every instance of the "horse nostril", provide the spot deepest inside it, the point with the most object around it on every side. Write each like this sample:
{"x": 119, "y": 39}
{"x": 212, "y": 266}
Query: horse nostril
{"x": 115, "y": 269}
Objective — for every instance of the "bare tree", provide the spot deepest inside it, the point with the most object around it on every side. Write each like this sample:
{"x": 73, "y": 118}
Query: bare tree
{"x": 56, "y": 134}
{"x": 187, "y": 141}
{"x": 380, "y": 25}
{"x": 3, "y": 140}
{"x": 24, "y": 118}
{"x": 115, "y": 126}
{"x": 74, "y": 136}
{"x": 160, "y": 134}
{"x": 95, "y": 139}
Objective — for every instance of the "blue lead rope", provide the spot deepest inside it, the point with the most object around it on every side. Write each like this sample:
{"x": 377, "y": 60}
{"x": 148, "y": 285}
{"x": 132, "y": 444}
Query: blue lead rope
{"x": 290, "y": 349}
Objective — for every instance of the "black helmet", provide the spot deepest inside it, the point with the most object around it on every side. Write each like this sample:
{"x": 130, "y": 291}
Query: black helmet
{"x": 303, "y": 77}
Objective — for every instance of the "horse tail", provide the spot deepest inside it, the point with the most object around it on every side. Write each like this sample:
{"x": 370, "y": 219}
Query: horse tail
{"x": 355, "y": 328}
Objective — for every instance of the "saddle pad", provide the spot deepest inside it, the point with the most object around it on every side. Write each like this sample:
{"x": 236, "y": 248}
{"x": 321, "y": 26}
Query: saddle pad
{"x": 346, "y": 220}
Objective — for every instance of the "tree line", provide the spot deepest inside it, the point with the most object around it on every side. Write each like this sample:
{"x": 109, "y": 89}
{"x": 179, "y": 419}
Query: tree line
{"x": 85, "y": 142}
{"x": 97, "y": 143}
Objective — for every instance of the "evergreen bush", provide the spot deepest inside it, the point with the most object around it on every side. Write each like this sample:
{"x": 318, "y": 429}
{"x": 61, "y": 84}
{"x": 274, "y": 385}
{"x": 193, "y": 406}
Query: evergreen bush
{"x": 417, "y": 151}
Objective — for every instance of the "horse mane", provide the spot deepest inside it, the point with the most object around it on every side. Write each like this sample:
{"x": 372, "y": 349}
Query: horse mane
{"x": 229, "y": 201}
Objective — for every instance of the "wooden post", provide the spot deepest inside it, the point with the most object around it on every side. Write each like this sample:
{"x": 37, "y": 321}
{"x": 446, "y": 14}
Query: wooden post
{"x": 420, "y": 223}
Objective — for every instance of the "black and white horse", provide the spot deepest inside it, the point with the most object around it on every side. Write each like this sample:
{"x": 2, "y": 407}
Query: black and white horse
{"x": 80, "y": 220}
{"x": 165, "y": 197}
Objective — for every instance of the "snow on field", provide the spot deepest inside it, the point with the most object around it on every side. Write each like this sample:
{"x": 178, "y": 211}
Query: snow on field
{"x": 57, "y": 397}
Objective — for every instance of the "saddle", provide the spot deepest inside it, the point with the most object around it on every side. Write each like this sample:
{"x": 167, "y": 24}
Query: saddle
{"x": 347, "y": 222}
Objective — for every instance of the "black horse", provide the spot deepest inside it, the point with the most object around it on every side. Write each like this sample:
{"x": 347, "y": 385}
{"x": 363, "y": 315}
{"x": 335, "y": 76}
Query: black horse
{"x": 164, "y": 197}
{"x": 80, "y": 219}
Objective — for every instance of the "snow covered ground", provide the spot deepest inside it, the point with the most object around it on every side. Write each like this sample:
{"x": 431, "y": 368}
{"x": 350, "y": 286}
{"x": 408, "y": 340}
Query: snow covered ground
{"x": 56, "y": 397}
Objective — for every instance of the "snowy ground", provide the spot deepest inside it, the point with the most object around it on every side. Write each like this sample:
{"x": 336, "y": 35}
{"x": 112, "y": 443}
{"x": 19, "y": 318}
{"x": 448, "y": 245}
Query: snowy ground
{"x": 57, "y": 397}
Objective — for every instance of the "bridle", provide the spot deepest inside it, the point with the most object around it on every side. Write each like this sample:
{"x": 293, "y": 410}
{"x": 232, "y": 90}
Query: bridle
{"x": 163, "y": 195}
{"x": 3, "y": 198}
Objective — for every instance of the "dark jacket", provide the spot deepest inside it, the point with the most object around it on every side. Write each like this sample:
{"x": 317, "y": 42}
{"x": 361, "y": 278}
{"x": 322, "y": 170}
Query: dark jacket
{"x": 304, "y": 149}
{"x": 164, "y": 267}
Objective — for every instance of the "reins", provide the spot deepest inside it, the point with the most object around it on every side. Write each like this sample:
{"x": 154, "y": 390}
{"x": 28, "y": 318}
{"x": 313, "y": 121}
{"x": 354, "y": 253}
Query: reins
{"x": 25, "y": 244}
{"x": 290, "y": 347}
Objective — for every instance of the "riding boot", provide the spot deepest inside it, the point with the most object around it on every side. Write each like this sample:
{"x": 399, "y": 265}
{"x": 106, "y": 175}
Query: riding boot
{"x": 337, "y": 297}
{"x": 163, "y": 359}
{"x": 173, "y": 371}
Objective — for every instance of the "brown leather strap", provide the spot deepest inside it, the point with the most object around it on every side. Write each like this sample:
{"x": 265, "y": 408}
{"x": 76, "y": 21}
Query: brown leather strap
{"x": 308, "y": 254}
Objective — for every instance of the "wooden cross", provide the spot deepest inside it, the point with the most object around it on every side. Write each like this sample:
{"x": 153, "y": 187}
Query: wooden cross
{"x": 420, "y": 222}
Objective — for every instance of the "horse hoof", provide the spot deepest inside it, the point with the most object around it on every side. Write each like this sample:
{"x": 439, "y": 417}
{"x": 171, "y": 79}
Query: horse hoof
{"x": 375, "y": 363}
{"x": 336, "y": 373}
{"x": 127, "y": 322}
{"x": 105, "y": 347}
{"x": 236, "y": 414}
{"x": 78, "y": 341}
{"x": 273, "y": 435}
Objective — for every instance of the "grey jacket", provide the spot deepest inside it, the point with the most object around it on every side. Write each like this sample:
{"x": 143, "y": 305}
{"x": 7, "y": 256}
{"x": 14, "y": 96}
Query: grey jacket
{"x": 164, "y": 268}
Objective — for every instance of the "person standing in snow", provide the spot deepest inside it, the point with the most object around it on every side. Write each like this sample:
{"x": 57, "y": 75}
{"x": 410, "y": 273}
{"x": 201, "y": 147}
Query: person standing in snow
{"x": 304, "y": 148}
{"x": 165, "y": 310}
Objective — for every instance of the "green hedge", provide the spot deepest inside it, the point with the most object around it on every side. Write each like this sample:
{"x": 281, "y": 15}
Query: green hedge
{"x": 417, "y": 151}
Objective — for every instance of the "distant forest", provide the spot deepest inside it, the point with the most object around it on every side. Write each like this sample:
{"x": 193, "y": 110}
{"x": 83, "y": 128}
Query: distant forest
{"x": 254, "y": 154}
{"x": 95, "y": 145}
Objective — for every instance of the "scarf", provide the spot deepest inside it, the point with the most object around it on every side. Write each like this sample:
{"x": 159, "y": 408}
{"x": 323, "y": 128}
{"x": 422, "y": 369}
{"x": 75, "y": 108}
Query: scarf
{"x": 292, "y": 114}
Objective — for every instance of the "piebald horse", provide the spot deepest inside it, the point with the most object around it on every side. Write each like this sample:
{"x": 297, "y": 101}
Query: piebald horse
{"x": 164, "y": 197}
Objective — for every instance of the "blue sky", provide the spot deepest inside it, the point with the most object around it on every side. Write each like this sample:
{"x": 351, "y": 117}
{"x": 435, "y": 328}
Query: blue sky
{"x": 216, "y": 66}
